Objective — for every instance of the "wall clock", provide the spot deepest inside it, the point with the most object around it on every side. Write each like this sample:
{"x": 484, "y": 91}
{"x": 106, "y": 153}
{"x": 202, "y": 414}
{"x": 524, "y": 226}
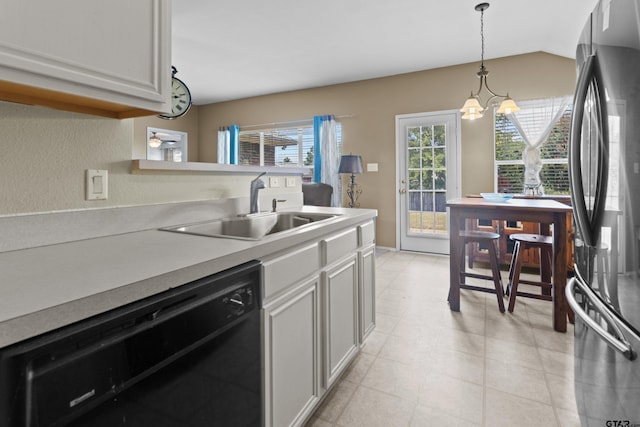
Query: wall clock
{"x": 180, "y": 98}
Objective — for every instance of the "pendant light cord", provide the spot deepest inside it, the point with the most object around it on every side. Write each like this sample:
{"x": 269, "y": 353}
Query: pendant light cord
{"x": 482, "y": 37}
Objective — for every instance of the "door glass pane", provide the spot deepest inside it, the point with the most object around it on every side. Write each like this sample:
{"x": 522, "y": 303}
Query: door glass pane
{"x": 439, "y": 158}
{"x": 427, "y": 180}
{"x": 414, "y": 180}
{"x": 413, "y": 137}
{"x": 427, "y": 158}
{"x": 427, "y": 136}
{"x": 439, "y": 136}
{"x": 414, "y": 159}
{"x": 440, "y": 180}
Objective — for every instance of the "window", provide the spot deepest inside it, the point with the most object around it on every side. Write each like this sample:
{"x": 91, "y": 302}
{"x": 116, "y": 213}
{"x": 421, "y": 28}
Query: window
{"x": 509, "y": 145}
{"x": 286, "y": 146}
{"x": 166, "y": 144}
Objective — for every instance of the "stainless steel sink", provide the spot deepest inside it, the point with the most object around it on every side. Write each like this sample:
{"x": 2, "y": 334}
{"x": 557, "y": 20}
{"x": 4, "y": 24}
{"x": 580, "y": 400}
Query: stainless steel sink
{"x": 251, "y": 227}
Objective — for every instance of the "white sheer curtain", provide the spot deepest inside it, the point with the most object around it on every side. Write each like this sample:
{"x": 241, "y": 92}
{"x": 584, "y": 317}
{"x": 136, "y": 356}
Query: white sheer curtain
{"x": 330, "y": 158}
{"x": 535, "y": 121}
{"x": 224, "y": 138}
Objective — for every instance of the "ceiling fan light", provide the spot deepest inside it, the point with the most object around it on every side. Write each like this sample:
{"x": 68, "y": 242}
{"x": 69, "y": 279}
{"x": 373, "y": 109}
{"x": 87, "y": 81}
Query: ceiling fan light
{"x": 508, "y": 106}
{"x": 154, "y": 142}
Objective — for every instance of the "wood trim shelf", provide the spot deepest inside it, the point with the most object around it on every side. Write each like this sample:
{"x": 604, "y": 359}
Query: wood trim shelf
{"x": 154, "y": 166}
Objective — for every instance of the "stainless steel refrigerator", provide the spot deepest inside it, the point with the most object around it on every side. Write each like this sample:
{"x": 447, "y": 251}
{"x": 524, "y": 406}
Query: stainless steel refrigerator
{"x": 604, "y": 163}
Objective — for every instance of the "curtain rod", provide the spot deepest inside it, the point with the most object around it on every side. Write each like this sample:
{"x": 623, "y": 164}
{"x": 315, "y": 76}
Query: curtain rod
{"x": 292, "y": 122}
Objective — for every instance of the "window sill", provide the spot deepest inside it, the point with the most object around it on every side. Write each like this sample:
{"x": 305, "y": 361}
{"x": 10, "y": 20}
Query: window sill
{"x": 146, "y": 166}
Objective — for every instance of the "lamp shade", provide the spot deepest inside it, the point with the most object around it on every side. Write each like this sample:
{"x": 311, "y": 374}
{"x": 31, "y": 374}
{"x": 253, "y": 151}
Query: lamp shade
{"x": 508, "y": 106}
{"x": 350, "y": 164}
{"x": 472, "y": 106}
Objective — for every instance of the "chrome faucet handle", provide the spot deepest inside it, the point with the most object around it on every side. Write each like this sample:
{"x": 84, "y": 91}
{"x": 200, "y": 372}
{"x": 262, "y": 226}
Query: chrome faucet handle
{"x": 258, "y": 177}
{"x": 274, "y": 204}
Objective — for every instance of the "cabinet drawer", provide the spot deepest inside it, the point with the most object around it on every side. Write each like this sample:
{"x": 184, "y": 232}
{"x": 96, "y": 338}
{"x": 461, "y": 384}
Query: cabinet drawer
{"x": 339, "y": 245}
{"x": 283, "y": 271}
{"x": 366, "y": 233}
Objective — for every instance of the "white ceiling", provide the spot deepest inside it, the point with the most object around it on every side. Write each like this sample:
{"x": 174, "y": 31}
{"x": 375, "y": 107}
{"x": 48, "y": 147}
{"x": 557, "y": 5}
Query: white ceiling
{"x": 232, "y": 49}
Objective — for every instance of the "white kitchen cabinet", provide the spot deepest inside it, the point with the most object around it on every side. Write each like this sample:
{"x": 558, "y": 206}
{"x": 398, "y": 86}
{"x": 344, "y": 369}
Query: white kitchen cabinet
{"x": 291, "y": 331}
{"x": 292, "y": 356}
{"x": 313, "y": 303}
{"x": 367, "y": 278}
{"x": 366, "y": 282}
{"x": 105, "y": 58}
{"x": 340, "y": 309}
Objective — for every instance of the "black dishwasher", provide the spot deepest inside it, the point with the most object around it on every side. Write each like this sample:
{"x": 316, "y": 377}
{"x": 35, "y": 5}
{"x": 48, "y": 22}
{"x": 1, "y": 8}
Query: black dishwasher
{"x": 187, "y": 357}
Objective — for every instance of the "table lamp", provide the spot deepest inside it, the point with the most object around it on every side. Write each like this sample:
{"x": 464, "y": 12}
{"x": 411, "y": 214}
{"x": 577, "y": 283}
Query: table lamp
{"x": 352, "y": 164}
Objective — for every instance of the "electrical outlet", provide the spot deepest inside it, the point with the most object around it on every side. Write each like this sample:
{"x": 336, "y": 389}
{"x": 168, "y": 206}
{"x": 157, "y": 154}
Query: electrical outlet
{"x": 274, "y": 181}
{"x": 290, "y": 181}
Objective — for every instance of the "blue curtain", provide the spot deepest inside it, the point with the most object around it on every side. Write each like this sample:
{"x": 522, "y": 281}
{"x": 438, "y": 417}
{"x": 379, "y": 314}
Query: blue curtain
{"x": 317, "y": 154}
{"x": 234, "y": 142}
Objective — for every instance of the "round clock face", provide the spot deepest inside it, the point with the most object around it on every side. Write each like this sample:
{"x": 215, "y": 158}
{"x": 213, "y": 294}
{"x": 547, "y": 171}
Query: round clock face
{"x": 180, "y": 99}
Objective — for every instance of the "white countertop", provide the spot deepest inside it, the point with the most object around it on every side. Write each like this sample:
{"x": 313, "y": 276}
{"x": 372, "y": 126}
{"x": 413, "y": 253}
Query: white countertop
{"x": 47, "y": 287}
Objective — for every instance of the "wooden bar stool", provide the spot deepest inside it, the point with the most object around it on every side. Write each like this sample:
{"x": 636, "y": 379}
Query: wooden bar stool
{"x": 524, "y": 241}
{"x": 489, "y": 239}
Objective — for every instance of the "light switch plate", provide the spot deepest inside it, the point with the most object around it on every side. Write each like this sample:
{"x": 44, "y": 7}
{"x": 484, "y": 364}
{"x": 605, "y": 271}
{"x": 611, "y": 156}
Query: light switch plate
{"x": 96, "y": 184}
{"x": 274, "y": 181}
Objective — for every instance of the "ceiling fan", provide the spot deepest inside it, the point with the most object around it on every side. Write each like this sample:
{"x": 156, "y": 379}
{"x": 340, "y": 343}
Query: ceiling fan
{"x": 155, "y": 141}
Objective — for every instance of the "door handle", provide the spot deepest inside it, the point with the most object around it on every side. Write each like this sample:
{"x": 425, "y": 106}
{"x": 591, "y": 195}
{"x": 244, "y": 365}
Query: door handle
{"x": 589, "y": 227}
{"x": 403, "y": 190}
{"x": 616, "y": 339}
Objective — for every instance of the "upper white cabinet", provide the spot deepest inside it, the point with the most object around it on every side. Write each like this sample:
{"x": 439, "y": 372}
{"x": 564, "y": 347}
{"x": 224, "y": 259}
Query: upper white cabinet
{"x": 109, "y": 58}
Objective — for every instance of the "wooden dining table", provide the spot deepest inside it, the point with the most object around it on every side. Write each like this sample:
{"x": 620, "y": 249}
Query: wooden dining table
{"x": 546, "y": 212}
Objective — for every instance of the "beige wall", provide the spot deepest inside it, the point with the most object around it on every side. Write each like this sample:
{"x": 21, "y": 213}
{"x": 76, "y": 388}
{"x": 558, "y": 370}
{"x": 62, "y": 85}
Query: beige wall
{"x": 45, "y": 152}
{"x": 374, "y": 105}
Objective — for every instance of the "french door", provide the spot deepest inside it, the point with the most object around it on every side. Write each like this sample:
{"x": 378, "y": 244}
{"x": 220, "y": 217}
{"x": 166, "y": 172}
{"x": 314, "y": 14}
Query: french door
{"x": 428, "y": 157}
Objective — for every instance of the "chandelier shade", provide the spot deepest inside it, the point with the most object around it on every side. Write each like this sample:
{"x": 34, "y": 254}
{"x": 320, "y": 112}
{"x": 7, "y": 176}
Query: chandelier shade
{"x": 473, "y": 107}
{"x": 508, "y": 106}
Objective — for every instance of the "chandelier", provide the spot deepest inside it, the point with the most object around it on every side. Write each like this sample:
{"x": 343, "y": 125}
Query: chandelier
{"x": 472, "y": 108}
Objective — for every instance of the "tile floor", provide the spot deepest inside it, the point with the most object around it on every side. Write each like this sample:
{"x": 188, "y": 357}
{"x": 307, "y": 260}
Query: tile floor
{"x": 425, "y": 365}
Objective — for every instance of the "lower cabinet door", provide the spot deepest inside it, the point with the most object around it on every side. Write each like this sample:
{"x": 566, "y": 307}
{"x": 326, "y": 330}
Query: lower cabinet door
{"x": 366, "y": 261}
{"x": 340, "y": 294}
{"x": 291, "y": 334}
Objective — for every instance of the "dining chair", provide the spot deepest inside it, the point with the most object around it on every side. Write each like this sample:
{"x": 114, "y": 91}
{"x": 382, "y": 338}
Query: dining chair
{"x": 489, "y": 240}
{"x": 316, "y": 194}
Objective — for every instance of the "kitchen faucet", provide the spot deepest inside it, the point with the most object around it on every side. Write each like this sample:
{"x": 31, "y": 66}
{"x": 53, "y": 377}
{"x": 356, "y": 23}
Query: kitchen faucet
{"x": 256, "y": 184}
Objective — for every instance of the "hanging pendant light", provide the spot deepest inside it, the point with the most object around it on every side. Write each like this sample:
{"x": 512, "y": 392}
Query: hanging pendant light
{"x": 473, "y": 108}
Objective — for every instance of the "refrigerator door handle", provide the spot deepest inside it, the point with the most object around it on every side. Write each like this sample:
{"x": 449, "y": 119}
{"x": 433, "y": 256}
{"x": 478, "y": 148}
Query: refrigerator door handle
{"x": 617, "y": 339}
{"x": 589, "y": 227}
